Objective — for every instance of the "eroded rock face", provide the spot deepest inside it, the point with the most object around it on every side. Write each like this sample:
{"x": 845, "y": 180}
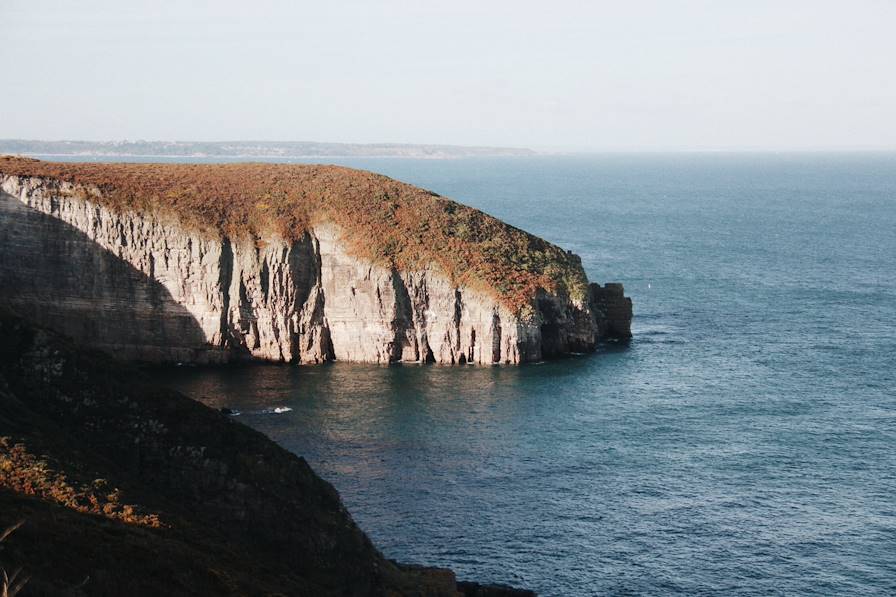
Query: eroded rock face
{"x": 166, "y": 293}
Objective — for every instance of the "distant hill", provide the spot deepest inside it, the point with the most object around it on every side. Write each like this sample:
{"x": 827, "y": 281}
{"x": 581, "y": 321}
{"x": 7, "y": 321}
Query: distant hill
{"x": 247, "y": 149}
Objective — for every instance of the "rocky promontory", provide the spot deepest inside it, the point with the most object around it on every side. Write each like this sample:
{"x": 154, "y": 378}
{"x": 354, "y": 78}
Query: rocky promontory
{"x": 295, "y": 263}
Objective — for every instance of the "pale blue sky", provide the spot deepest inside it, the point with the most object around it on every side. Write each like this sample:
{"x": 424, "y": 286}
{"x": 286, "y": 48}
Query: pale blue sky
{"x": 639, "y": 75}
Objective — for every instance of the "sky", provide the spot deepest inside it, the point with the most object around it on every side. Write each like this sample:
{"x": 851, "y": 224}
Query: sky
{"x": 560, "y": 75}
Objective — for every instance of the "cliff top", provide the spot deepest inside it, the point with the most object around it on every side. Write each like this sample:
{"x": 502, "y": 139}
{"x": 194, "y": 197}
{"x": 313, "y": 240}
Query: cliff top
{"x": 384, "y": 220}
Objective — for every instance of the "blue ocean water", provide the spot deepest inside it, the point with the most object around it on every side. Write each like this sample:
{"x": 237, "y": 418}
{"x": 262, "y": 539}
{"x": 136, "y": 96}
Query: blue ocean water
{"x": 743, "y": 443}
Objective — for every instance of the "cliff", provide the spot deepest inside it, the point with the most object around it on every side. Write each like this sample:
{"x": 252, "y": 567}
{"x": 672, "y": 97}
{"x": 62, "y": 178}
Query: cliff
{"x": 210, "y": 263}
{"x": 125, "y": 488}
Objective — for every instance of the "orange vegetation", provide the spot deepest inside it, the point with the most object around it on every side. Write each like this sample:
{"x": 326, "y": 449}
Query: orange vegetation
{"x": 25, "y": 473}
{"x": 384, "y": 220}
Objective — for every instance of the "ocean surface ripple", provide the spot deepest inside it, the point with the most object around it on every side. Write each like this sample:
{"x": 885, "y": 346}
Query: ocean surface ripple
{"x": 743, "y": 443}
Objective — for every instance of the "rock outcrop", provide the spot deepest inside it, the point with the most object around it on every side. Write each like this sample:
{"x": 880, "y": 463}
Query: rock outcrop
{"x": 143, "y": 282}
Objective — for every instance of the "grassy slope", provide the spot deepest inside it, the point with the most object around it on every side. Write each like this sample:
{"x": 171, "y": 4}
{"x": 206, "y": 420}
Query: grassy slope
{"x": 386, "y": 221}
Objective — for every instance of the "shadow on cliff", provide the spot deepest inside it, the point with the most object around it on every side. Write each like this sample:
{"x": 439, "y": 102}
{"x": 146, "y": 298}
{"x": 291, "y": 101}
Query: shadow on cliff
{"x": 57, "y": 276}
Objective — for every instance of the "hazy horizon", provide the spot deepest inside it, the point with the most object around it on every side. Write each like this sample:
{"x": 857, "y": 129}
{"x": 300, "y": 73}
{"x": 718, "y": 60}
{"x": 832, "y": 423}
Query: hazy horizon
{"x": 586, "y": 78}
{"x": 536, "y": 149}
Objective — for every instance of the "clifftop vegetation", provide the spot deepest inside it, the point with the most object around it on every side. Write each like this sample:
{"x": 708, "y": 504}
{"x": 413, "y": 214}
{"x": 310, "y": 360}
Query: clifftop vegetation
{"x": 384, "y": 220}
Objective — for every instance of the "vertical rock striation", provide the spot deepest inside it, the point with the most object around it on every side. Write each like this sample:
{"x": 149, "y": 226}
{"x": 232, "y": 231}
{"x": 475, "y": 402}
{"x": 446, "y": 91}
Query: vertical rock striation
{"x": 166, "y": 292}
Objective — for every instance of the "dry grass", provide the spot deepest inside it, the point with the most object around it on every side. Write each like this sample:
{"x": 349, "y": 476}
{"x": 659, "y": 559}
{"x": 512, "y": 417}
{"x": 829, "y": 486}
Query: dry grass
{"x": 11, "y": 584}
{"x": 386, "y": 221}
{"x": 23, "y": 472}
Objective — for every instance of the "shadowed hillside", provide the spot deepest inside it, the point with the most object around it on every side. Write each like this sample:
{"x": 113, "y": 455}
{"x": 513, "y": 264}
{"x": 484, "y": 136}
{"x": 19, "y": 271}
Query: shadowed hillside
{"x": 128, "y": 488}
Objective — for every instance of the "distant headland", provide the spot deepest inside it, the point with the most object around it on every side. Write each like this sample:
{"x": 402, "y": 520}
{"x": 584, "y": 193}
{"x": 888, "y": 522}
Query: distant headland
{"x": 248, "y": 149}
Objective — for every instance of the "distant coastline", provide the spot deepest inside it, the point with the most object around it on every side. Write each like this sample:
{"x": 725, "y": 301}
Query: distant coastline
{"x": 248, "y": 149}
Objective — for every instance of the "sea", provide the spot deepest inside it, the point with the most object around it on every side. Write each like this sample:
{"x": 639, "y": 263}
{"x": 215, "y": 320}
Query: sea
{"x": 743, "y": 442}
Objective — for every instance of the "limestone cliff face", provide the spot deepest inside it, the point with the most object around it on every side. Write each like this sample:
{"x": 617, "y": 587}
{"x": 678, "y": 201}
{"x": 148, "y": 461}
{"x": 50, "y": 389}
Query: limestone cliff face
{"x": 143, "y": 286}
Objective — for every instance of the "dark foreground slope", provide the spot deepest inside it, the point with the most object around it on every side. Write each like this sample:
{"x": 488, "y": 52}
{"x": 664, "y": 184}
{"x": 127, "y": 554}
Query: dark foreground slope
{"x": 126, "y": 488}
